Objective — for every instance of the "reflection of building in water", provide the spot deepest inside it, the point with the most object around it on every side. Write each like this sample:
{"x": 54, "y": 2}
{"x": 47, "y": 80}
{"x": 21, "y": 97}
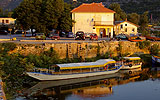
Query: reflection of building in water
{"x": 87, "y": 89}
{"x": 99, "y": 91}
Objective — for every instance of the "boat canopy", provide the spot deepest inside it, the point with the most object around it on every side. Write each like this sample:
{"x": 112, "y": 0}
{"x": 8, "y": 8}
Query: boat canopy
{"x": 132, "y": 58}
{"x": 98, "y": 63}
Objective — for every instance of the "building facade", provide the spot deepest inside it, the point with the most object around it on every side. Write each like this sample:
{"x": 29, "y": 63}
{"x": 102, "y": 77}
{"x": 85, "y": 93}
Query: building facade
{"x": 125, "y": 27}
{"x": 93, "y": 18}
{"x": 7, "y": 21}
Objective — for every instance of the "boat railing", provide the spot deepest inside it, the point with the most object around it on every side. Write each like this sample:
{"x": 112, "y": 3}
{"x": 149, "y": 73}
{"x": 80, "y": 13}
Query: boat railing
{"x": 49, "y": 71}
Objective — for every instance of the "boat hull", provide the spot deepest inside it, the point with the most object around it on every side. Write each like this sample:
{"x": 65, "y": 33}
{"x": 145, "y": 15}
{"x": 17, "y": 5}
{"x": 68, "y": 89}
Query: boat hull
{"x": 132, "y": 67}
{"x": 155, "y": 61}
{"x": 45, "y": 77}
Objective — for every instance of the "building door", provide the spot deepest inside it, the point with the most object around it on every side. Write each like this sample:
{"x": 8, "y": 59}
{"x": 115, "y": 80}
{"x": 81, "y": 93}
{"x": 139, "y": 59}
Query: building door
{"x": 102, "y": 32}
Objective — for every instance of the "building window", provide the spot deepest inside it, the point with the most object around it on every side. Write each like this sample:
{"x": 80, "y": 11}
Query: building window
{"x": 7, "y": 21}
{"x": 133, "y": 30}
{"x": 121, "y": 26}
{"x": 125, "y": 29}
{"x": 3, "y": 21}
{"x": 125, "y": 24}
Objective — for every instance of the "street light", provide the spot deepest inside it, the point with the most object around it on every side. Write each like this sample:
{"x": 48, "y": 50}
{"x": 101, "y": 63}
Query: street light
{"x": 10, "y": 32}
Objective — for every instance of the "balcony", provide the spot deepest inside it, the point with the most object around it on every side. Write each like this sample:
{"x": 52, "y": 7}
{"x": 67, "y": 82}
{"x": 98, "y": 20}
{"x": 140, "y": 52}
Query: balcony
{"x": 103, "y": 23}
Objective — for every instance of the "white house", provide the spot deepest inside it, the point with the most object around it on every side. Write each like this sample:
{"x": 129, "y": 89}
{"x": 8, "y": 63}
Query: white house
{"x": 93, "y": 18}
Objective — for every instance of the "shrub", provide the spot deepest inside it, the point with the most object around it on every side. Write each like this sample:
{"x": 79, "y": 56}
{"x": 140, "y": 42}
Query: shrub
{"x": 143, "y": 44}
{"x": 154, "y": 49}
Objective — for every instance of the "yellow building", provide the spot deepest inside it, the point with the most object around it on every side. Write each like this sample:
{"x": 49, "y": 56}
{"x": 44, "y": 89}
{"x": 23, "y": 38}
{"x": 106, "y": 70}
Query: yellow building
{"x": 125, "y": 27}
{"x": 93, "y": 18}
{"x": 7, "y": 21}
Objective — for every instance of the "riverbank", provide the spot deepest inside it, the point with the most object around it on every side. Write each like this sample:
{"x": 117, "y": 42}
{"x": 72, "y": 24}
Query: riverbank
{"x": 16, "y": 59}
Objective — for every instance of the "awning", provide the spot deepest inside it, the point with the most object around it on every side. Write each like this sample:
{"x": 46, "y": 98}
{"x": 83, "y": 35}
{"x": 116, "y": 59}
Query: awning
{"x": 98, "y": 63}
{"x": 132, "y": 58}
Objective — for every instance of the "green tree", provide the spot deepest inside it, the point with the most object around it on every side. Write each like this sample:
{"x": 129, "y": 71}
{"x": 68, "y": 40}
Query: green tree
{"x": 143, "y": 23}
{"x": 120, "y": 14}
{"x": 41, "y": 15}
{"x": 65, "y": 21}
{"x": 23, "y": 14}
{"x": 134, "y": 18}
{"x": 52, "y": 11}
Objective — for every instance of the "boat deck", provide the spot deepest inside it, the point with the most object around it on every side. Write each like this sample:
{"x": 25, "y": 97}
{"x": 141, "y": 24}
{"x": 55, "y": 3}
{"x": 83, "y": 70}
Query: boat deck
{"x": 2, "y": 94}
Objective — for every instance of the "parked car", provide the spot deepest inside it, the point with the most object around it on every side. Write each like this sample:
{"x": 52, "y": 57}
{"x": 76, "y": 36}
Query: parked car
{"x": 93, "y": 36}
{"x": 20, "y": 32}
{"x": 40, "y": 36}
{"x": 122, "y": 37}
{"x": 87, "y": 35}
{"x": 61, "y": 34}
{"x": 54, "y": 36}
{"x": 80, "y": 35}
{"x": 3, "y": 32}
{"x": 70, "y": 35}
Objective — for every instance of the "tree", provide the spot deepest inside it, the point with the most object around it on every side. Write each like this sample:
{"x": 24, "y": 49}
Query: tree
{"x": 134, "y": 18}
{"x": 65, "y": 21}
{"x": 23, "y": 14}
{"x": 120, "y": 14}
{"x": 41, "y": 15}
{"x": 143, "y": 23}
{"x": 52, "y": 12}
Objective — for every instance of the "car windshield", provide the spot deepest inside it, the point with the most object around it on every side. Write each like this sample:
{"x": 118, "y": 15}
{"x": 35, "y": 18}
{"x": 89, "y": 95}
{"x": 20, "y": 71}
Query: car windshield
{"x": 80, "y": 33}
{"x": 38, "y": 34}
{"x": 70, "y": 33}
{"x": 55, "y": 34}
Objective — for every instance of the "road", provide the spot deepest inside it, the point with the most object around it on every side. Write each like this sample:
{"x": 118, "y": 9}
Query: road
{"x": 30, "y": 37}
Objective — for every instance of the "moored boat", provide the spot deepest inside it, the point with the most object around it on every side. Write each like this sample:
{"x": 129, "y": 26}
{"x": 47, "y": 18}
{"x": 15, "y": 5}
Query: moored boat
{"x": 77, "y": 70}
{"x": 136, "y": 39}
{"x": 131, "y": 62}
{"x": 156, "y": 61}
{"x": 153, "y": 38}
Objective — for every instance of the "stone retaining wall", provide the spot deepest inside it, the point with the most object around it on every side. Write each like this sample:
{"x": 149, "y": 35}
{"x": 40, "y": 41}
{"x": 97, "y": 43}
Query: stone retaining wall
{"x": 83, "y": 49}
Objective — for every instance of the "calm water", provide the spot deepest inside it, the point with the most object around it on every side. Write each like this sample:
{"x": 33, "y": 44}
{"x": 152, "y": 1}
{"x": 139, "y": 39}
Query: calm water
{"x": 126, "y": 85}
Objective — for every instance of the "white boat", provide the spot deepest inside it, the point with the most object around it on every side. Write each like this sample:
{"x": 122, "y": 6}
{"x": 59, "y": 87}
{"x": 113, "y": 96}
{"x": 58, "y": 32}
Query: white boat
{"x": 77, "y": 70}
{"x": 131, "y": 63}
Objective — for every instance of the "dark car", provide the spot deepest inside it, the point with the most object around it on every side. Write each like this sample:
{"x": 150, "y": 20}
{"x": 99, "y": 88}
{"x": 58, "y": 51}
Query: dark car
{"x": 40, "y": 36}
{"x": 70, "y": 35}
{"x": 80, "y": 35}
{"x": 93, "y": 36}
{"x": 54, "y": 36}
{"x": 3, "y": 32}
{"x": 121, "y": 37}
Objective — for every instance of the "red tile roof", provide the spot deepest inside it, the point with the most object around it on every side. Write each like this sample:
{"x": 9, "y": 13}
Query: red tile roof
{"x": 93, "y": 7}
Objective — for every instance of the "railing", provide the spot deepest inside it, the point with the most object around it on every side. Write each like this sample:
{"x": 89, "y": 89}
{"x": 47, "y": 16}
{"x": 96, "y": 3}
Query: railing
{"x": 98, "y": 23}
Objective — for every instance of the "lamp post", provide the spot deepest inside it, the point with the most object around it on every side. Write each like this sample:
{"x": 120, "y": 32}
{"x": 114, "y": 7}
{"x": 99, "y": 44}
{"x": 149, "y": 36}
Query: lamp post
{"x": 10, "y": 32}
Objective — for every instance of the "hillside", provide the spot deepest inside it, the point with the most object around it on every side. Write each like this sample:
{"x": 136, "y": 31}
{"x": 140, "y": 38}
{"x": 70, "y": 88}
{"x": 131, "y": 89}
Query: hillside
{"x": 129, "y": 6}
{"x": 9, "y": 4}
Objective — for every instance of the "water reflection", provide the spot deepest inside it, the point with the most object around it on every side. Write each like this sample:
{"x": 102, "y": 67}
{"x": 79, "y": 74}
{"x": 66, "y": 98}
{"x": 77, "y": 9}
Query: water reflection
{"x": 91, "y": 87}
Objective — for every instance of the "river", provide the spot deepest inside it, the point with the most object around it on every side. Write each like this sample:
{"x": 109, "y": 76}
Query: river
{"x": 137, "y": 84}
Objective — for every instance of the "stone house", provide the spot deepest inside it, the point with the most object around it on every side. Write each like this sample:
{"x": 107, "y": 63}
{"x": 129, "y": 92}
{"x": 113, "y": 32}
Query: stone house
{"x": 93, "y": 18}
